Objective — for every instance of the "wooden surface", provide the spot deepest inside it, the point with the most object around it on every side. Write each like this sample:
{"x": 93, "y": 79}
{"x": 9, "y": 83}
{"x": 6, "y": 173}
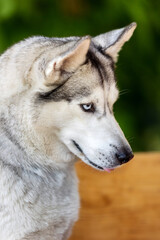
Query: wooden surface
{"x": 121, "y": 205}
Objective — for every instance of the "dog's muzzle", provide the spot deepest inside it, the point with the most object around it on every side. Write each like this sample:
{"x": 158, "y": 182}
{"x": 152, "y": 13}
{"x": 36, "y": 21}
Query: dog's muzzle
{"x": 121, "y": 156}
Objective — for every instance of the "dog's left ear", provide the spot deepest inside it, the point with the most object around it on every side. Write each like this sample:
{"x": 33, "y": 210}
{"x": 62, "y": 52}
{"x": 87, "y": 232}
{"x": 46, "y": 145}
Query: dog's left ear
{"x": 112, "y": 42}
{"x": 68, "y": 61}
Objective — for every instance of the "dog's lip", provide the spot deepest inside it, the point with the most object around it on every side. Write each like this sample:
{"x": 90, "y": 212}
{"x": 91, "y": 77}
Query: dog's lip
{"x": 89, "y": 161}
{"x": 94, "y": 164}
{"x": 99, "y": 167}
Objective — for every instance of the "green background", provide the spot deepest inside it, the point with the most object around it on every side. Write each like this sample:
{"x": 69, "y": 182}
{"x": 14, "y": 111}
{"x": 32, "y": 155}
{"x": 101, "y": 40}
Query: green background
{"x": 138, "y": 68}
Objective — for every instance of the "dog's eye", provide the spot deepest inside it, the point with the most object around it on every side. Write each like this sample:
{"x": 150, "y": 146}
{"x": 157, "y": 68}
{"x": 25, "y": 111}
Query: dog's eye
{"x": 89, "y": 107}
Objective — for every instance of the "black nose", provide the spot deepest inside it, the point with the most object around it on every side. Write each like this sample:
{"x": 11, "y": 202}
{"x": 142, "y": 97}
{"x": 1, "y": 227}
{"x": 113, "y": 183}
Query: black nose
{"x": 124, "y": 156}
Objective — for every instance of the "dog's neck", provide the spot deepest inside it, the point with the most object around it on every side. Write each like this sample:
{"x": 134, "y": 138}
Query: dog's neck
{"x": 18, "y": 154}
{"x": 26, "y": 180}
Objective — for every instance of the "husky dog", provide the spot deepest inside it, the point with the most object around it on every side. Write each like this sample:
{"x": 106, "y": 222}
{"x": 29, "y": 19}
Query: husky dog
{"x": 56, "y": 102}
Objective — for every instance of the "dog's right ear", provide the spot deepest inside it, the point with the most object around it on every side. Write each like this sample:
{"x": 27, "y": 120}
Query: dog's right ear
{"x": 112, "y": 42}
{"x": 68, "y": 62}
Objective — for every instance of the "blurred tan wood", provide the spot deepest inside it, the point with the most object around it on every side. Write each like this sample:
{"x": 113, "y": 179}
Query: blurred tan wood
{"x": 121, "y": 205}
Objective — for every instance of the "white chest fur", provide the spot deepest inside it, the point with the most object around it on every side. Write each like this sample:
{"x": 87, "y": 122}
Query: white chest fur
{"x": 37, "y": 203}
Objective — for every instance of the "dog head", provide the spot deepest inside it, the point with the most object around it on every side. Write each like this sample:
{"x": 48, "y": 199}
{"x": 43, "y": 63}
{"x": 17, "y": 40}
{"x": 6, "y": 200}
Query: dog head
{"x": 72, "y": 90}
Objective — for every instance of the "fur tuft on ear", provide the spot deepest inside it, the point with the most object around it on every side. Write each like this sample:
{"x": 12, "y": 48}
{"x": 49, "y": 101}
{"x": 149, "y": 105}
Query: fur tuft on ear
{"x": 113, "y": 41}
{"x": 68, "y": 61}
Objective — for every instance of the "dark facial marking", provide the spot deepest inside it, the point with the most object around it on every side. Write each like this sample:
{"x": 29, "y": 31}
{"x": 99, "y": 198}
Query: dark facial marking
{"x": 108, "y": 57}
{"x": 77, "y": 146}
{"x": 64, "y": 92}
{"x": 95, "y": 165}
{"x": 99, "y": 65}
{"x": 96, "y": 64}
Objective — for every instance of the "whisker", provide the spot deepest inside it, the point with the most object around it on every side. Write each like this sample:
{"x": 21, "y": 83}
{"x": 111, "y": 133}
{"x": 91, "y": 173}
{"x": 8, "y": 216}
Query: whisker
{"x": 124, "y": 91}
{"x": 130, "y": 139}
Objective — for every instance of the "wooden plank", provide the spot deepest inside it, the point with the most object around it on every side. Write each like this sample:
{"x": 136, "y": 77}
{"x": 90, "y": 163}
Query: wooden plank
{"x": 121, "y": 205}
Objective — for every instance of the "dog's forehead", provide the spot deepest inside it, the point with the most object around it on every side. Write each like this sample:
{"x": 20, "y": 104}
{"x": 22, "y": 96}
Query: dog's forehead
{"x": 98, "y": 75}
{"x": 97, "y": 69}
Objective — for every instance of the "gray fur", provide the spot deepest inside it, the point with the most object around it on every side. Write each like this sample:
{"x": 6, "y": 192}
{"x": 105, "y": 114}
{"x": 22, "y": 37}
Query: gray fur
{"x": 43, "y": 82}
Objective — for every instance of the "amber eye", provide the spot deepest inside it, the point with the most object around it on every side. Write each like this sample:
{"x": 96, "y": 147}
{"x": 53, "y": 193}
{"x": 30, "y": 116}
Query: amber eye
{"x": 88, "y": 107}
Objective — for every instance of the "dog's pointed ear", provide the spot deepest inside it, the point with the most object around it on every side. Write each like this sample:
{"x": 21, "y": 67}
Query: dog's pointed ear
{"x": 68, "y": 61}
{"x": 113, "y": 41}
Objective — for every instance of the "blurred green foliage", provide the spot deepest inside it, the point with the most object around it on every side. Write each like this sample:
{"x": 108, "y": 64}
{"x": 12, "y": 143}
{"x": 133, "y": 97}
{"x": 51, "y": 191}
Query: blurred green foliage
{"x": 138, "y": 69}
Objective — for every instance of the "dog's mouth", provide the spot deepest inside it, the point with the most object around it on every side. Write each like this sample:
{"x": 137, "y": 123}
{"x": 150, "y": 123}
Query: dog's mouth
{"x": 90, "y": 162}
